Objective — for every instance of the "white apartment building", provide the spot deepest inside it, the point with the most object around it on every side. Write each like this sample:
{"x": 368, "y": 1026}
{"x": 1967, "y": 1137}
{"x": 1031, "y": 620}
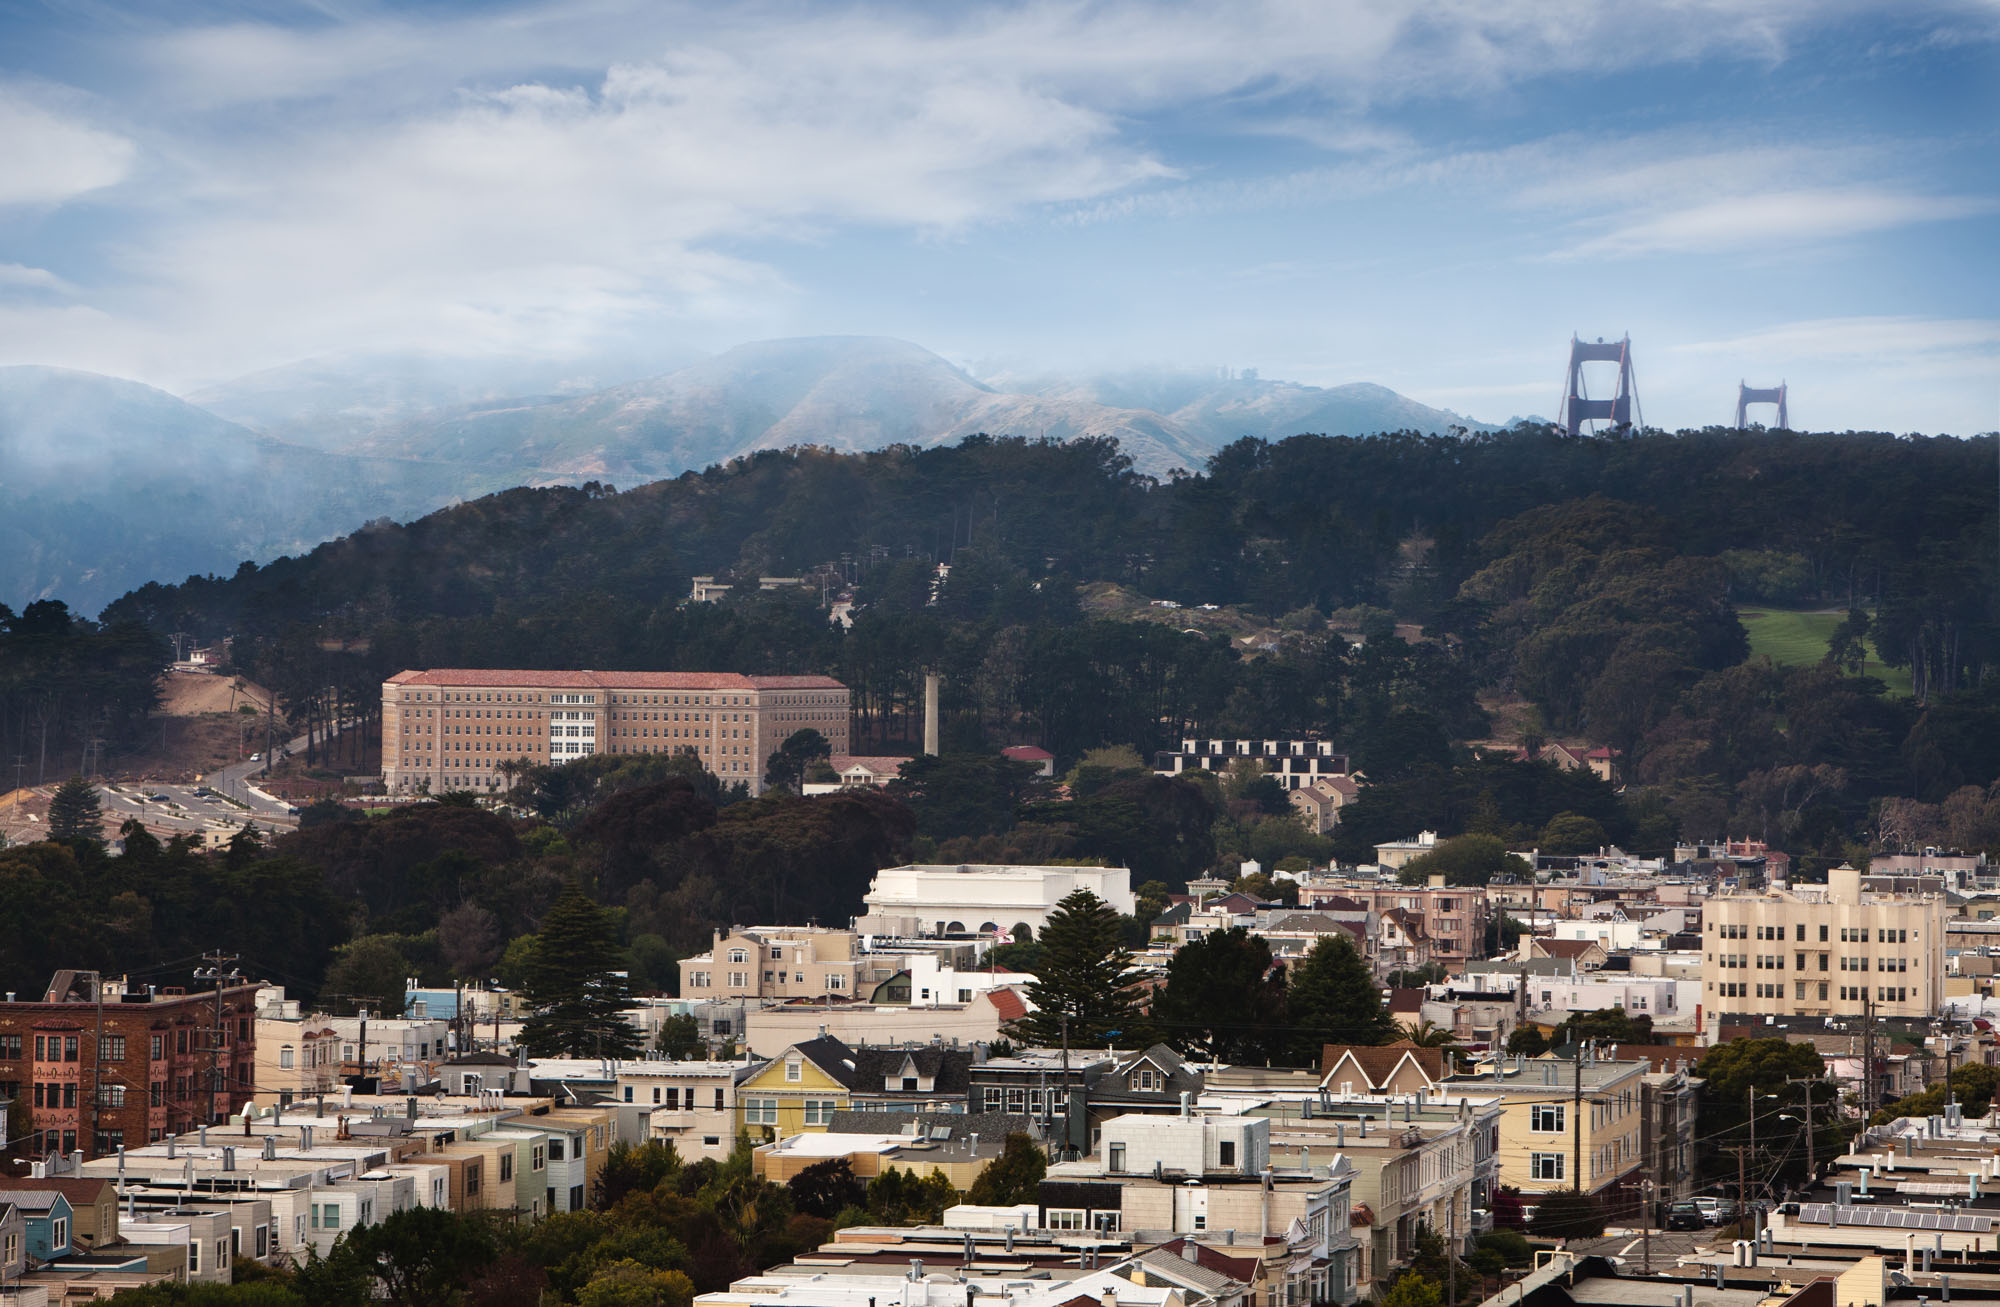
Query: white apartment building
{"x": 455, "y": 728}
{"x": 1829, "y": 950}
{"x": 928, "y": 899}
{"x": 693, "y": 1103}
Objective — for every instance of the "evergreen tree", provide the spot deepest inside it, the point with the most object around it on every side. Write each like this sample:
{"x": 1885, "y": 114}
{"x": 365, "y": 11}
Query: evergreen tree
{"x": 74, "y": 814}
{"x": 579, "y": 1002}
{"x": 1333, "y": 999}
{"x": 1222, "y": 1002}
{"x": 1012, "y": 1178}
{"x": 1084, "y": 975}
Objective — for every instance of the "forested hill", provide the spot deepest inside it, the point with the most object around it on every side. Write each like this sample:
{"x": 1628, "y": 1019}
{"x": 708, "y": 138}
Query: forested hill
{"x": 1328, "y": 522}
{"x": 1598, "y": 580}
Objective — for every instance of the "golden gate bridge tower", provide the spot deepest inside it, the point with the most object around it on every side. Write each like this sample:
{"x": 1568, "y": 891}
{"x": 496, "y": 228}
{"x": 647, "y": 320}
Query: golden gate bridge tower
{"x": 1747, "y": 395}
{"x": 1622, "y": 409}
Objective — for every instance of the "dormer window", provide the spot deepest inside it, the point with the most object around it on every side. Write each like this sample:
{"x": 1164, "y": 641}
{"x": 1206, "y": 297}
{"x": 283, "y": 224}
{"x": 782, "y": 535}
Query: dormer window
{"x": 1145, "y": 1080}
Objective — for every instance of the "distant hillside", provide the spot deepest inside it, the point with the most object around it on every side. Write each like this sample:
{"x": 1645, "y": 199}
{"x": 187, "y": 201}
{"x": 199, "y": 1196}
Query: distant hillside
{"x": 108, "y": 483}
{"x": 847, "y": 393}
{"x": 105, "y": 484}
{"x": 1214, "y": 409}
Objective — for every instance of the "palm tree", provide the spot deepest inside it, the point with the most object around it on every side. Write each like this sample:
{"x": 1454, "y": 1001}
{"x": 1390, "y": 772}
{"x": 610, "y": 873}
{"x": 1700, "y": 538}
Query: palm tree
{"x": 1425, "y": 1035}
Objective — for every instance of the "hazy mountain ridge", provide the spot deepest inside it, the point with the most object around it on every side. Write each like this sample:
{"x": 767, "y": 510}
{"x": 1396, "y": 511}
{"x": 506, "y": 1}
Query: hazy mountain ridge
{"x": 864, "y": 392}
{"x": 107, "y": 484}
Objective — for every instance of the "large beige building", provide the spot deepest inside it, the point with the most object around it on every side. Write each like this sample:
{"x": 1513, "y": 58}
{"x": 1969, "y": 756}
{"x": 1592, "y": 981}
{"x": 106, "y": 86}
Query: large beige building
{"x": 453, "y": 728}
{"x": 1823, "y": 951}
{"x": 774, "y": 963}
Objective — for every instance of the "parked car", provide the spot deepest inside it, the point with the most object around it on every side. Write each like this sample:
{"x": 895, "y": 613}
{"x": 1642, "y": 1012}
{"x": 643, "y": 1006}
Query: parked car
{"x": 1685, "y": 1216}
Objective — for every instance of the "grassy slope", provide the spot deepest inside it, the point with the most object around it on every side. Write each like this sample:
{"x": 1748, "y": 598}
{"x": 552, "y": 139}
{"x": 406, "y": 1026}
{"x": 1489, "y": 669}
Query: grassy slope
{"x": 1791, "y": 636}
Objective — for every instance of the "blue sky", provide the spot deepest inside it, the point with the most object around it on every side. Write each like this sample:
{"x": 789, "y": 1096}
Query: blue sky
{"x": 1431, "y": 196}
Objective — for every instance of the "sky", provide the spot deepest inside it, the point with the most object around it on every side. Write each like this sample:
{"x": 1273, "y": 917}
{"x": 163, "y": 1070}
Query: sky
{"x": 1433, "y": 196}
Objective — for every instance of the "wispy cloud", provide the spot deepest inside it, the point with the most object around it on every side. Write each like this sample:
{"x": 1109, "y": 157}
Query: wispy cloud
{"x": 49, "y": 154}
{"x": 19, "y": 276}
{"x": 1763, "y": 220}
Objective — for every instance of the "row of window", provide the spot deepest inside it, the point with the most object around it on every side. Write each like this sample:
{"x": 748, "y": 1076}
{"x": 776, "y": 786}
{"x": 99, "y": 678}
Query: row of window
{"x": 764, "y": 1111}
{"x": 1848, "y": 934}
{"x": 110, "y": 1048}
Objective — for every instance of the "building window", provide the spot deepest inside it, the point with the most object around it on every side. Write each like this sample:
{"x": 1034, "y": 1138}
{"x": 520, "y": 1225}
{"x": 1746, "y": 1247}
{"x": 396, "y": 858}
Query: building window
{"x": 111, "y": 1048}
{"x": 820, "y": 1111}
{"x": 760, "y": 1111}
{"x": 285, "y": 1057}
{"x": 506, "y": 1167}
{"x": 59, "y": 1233}
{"x": 1546, "y": 1166}
{"x": 1545, "y": 1118}
{"x": 1065, "y": 1218}
{"x": 794, "y": 1070}
{"x": 1225, "y": 1152}
{"x": 1117, "y": 1157}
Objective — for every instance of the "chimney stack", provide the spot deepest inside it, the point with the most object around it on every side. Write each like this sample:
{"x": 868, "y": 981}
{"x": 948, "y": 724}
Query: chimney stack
{"x": 931, "y": 727}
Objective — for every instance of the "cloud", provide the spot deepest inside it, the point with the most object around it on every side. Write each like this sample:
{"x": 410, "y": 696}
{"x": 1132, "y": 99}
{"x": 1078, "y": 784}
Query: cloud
{"x": 546, "y": 176}
{"x": 1788, "y": 217}
{"x": 48, "y": 155}
{"x": 19, "y": 276}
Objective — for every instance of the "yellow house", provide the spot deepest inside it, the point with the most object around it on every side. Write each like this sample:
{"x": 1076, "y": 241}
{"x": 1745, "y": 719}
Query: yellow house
{"x": 799, "y": 1090}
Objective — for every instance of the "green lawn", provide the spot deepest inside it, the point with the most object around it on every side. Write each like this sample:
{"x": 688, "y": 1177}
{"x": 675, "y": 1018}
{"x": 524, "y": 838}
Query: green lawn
{"x": 1790, "y": 636}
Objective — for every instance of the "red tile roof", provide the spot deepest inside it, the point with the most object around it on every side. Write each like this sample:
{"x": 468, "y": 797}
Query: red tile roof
{"x": 1026, "y": 753}
{"x": 1007, "y": 1003}
{"x": 478, "y": 677}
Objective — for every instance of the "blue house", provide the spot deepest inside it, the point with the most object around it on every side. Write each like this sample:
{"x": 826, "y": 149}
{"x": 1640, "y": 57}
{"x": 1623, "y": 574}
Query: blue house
{"x": 49, "y": 1220}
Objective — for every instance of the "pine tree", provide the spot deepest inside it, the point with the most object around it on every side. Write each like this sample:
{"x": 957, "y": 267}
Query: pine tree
{"x": 1013, "y": 1177}
{"x": 1085, "y": 974}
{"x": 579, "y": 1001}
{"x": 1333, "y": 999}
{"x": 74, "y": 814}
{"x": 1221, "y": 1001}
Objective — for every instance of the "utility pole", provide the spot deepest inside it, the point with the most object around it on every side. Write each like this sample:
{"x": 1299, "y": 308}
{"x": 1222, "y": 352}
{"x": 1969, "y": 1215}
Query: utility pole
{"x": 1744, "y": 1210}
{"x": 97, "y": 1064}
{"x": 221, "y": 972}
{"x": 1742, "y": 1183}
{"x": 1646, "y": 1230}
{"x": 1576, "y": 1113}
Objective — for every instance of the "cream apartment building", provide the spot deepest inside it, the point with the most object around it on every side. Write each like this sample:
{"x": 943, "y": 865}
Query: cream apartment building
{"x": 457, "y": 728}
{"x": 1829, "y": 950}
{"x": 774, "y": 963}
{"x": 1565, "y": 1124}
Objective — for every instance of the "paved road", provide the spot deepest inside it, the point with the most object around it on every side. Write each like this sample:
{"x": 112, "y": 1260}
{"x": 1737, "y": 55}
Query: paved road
{"x": 1668, "y": 1247}
{"x": 239, "y": 779}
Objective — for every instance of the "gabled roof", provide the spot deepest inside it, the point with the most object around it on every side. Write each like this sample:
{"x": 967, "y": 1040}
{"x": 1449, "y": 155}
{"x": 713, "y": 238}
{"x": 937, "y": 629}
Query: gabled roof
{"x": 878, "y": 764}
{"x": 1159, "y": 1055}
{"x": 829, "y": 1055}
{"x": 1377, "y": 1064}
{"x": 40, "y": 1200}
{"x": 481, "y": 1059}
{"x": 1241, "y": 1269}
{"x": 1171, "y": 1265}
{"x": 1550, "y": 947}
{"x": 80, "y": 1190}
{"x": 948, "y": 1068}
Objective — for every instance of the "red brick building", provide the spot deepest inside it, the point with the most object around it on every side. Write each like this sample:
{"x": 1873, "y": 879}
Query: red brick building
{"x": 144, "y": 1056}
